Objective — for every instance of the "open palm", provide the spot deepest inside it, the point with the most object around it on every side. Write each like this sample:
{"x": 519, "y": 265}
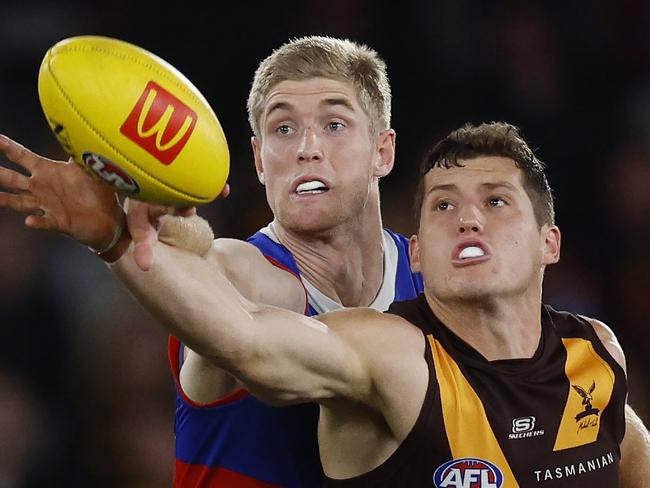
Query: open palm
{"x": 58, "y": 196}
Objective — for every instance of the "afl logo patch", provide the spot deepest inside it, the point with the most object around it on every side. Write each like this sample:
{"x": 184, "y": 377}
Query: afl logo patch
{"x": 467, "y": 473}
{"x": 110, "y": 173}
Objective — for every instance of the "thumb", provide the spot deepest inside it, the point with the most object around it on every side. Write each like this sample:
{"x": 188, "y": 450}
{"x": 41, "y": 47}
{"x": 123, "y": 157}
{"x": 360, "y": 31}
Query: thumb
{"x": 141, "y": 219}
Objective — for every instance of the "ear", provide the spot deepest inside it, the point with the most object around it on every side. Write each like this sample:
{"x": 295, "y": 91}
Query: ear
{"x": 257, "y": 155}
{"x": 552, "y": 241}
{"x": 385, "y": 152}
{"x": 414, "y": 254}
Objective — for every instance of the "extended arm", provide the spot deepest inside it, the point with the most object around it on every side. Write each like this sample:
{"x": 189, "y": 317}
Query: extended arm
{"x": 280, "y": 356}
{"x": 635, "y": 452}
{"x": 635, "y": 448}
{"x": 61, "y": 197}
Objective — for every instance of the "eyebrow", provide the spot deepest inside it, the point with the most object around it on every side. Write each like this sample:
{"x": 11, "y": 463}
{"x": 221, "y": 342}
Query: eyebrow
{"x": 488, "y": 186}
{"x": 277, "y": 106}
{"x": 448, "y": 187}
{"x": 333, "y": 102}
{"x": 499, "y": 185}
{"x": 328, "y": 102}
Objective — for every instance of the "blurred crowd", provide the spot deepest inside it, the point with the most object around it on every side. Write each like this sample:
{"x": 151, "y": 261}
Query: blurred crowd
{"x": 86, "y": 398}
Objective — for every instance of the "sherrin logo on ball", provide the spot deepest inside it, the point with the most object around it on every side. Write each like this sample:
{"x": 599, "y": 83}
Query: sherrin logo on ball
{"x": 467, "y": 473}
{"x": 110, "y": 173}
{"x": 133, "y": 120}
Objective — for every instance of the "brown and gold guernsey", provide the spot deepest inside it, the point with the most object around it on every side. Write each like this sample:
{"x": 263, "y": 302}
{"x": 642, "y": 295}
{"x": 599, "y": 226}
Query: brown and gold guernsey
{"x": 554, "y": 420}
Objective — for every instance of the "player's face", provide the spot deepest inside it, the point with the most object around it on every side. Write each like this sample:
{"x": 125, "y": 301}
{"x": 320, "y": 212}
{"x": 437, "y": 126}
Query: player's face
{"x": 316, "y": 155}
{"x": 478, "y": 237}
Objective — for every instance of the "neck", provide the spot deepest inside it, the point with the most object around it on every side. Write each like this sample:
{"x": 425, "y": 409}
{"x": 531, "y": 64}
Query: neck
{"x": 497, "y": 327}
{"x": 346, "y": 262}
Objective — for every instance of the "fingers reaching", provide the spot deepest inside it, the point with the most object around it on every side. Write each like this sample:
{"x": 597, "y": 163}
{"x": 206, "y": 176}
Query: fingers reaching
{"x": 13, "y": 180}
{"x": 42, "y": 222}
{"x": 19, "y": 154}
{"x": 23, "y": 202}
{"x": 225, "y": 192}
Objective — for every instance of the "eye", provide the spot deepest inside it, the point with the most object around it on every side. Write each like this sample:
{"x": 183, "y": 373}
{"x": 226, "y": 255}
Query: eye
{"x": 496, "y": 202}
{"x": 284, "y": 129}
{"x": 444, "y": 205}
{"x": 335, "y": 126}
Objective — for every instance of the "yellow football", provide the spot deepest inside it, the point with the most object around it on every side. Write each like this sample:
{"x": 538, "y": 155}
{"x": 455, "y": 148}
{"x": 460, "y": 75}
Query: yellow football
{"x": 133, "y": 120}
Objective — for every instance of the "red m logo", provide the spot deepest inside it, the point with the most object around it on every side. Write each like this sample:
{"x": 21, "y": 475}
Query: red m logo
{"x": 160, "y": 123}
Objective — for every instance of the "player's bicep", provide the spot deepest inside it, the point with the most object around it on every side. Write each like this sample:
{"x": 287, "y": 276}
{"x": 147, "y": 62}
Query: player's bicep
{"x": 256, "y": 277}
{"x": 609, "y": 340}
{"x": 300, "y": 359}
{"x": 635, "y": 452}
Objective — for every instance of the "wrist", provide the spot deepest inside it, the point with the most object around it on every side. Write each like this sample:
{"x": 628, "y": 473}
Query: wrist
{"x": 116, "y": 251}
{"x": 119, "y": 242}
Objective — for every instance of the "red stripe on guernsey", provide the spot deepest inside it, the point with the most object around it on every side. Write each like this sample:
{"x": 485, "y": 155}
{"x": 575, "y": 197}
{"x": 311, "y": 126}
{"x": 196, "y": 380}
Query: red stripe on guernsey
{"x": 278, "y": 264}
{"x": 198, "y": 476}
{"x": 173, "y": 353}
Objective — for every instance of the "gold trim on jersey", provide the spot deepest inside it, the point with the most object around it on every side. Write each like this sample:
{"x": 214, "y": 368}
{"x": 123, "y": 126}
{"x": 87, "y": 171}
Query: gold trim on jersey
{"x": 592, "y": 383}
{"x": 468, "y": 429}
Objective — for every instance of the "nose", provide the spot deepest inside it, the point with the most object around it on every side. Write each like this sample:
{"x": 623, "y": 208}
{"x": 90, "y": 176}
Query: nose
{"x": 309, "y": 148}
{"x": 470, "y": 220}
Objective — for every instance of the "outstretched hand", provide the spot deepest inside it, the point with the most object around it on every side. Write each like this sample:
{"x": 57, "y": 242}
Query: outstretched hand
{"x": 59, "y": 196}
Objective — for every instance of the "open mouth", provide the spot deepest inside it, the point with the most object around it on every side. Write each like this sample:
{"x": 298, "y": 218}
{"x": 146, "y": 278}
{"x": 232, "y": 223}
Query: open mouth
{"x": 311, "y": 187}
{"x": 469, "y": 253}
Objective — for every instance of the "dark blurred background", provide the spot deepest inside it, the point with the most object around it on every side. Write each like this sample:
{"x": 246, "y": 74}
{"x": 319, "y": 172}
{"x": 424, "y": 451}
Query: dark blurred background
{"x": 86, "y": 398}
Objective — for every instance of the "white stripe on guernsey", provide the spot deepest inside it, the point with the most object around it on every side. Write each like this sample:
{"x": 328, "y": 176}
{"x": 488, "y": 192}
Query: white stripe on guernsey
{"x": 386, "y": 294}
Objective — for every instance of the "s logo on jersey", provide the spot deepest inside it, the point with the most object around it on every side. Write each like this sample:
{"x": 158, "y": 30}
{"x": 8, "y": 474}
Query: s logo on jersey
{"x": 468, "y": 473}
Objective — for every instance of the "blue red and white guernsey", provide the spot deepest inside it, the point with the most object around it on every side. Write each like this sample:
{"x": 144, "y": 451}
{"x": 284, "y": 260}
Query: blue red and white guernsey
{"x": 240, "y": 442}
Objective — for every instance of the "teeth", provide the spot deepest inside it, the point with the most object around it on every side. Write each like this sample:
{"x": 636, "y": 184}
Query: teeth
{"x": 310, "y": 186}
{"x": 471, "y": 252}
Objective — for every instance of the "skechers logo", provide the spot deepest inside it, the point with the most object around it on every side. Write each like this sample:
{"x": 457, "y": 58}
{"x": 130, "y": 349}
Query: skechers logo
{"x": 160, "y": 123}
{"x": 468, "y": 473}
{"x": 523, "y": 427}
{"x": 110, "y": 173}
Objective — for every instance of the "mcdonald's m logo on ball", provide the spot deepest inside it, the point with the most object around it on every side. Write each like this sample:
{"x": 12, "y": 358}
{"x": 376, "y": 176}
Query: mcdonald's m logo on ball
{"x": 160, "y": 123}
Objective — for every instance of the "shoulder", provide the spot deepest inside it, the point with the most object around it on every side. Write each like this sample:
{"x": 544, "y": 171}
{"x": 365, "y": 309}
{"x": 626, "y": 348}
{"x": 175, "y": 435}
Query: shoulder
{"x": 257, "y": 277}
{"x": 376, "y": 336}
{"x": 240, "y": 252}
{"x": 367, "y": 323}
{"x": 609, "y": 340}
{"x": 391, "y": 350}
{"x": 233, "y": 252}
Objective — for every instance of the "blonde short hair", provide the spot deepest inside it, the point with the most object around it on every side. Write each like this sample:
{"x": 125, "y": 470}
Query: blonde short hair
{"x": 325, "y": 57}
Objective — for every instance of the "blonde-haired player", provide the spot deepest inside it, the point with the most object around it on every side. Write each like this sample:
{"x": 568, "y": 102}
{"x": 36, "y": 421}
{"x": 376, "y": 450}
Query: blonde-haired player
{"x": 337, "y": 251}
{"x": 319, "y": 108}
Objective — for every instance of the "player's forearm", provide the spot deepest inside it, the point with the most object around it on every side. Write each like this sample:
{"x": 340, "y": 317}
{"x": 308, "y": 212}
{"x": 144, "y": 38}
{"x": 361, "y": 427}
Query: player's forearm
{"x": 194, "y": 301}
{"x": 635, "y": 452}
{"x": 281, "y": 356}
{"x": 242, "y": 264}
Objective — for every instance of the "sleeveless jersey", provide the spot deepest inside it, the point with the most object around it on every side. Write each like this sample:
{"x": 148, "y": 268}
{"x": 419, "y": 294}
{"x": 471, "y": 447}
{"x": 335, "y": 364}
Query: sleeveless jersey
{"x": 554, "y": 420}
{"x": 240, "y": 442}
